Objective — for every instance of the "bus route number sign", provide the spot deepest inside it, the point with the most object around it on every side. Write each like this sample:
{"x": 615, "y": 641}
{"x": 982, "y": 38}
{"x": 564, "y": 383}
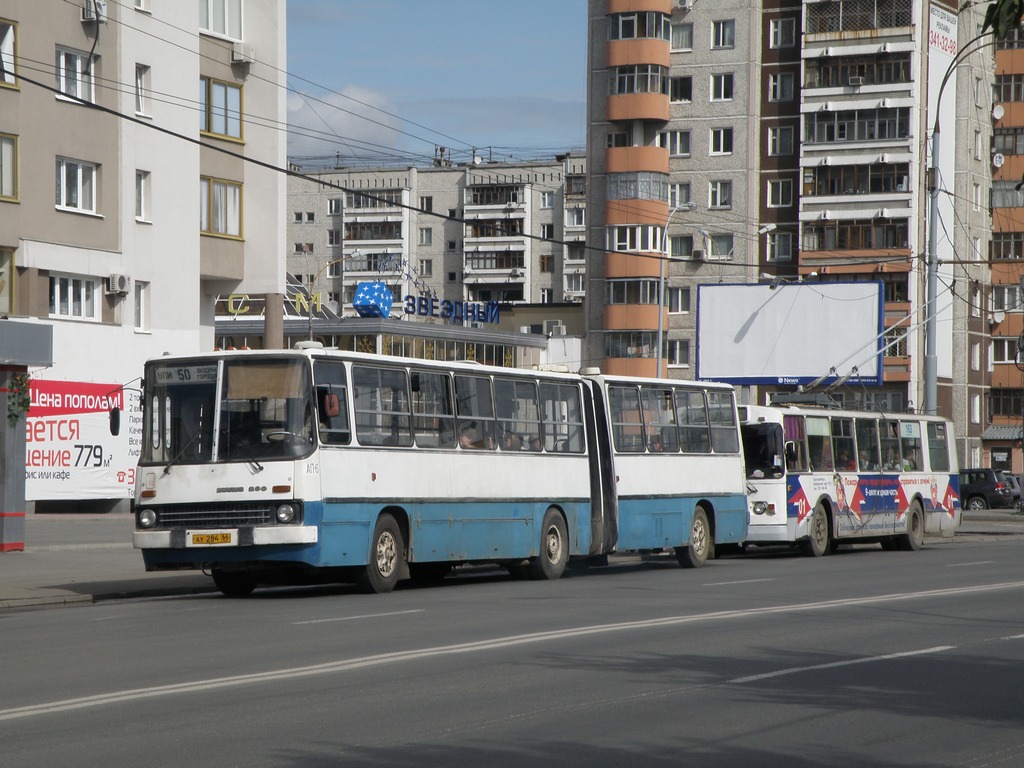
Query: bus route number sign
{"x": 187, "y": 374}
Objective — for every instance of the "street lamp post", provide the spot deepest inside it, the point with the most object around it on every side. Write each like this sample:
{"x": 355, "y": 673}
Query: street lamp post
{"x": 689, "y": 205}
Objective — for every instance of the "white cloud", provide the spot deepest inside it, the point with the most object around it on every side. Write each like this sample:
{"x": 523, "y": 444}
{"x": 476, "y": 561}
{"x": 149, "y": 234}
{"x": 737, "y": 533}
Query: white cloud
{"x": 345, "y": 122}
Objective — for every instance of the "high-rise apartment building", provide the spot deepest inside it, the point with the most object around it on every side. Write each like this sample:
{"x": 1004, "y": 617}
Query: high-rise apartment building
{"x": 127, "y": 202}
{"x": 746, "y": 138}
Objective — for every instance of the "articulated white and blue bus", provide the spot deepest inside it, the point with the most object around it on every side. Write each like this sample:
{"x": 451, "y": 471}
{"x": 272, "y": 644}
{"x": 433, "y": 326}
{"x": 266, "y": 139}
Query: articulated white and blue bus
{"x": 268, "y": 467}
{"x": 819, "y": 477}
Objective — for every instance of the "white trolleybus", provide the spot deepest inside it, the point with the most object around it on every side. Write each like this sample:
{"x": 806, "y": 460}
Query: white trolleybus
{"x": 317, "y": 465}
{"x": 820, "y": 477}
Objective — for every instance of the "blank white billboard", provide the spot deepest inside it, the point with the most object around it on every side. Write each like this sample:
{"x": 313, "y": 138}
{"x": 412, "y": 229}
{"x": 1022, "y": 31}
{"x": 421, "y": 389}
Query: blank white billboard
{"x": 792, "y": 334}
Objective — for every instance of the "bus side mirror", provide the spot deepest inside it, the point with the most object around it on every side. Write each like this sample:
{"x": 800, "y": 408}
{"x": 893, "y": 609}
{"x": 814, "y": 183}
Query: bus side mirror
{"x": 791, "y": 452}
{"x": 332, "y": 406}
{"x": 115, "y": 421}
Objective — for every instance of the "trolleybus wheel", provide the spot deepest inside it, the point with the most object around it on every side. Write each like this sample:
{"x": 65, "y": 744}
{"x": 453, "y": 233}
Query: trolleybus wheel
{"x": 386, "y": 552}
{"x": 234, "y": 583}
{"x": 697, "y": 552}
{"x": 913, "y": 539}
{"x": 554, "y": 548}
{"x": 817, "y": 543}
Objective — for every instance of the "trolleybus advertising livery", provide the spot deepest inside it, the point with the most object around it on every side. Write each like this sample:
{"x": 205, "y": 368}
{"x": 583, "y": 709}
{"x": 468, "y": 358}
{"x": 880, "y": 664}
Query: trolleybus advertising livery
{"x": 317, "y": 465}
{"x": 820, "y": 477}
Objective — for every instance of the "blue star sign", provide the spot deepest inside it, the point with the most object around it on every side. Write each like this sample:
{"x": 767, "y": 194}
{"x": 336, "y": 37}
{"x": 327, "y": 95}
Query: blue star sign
{"x": 373, "y": 299}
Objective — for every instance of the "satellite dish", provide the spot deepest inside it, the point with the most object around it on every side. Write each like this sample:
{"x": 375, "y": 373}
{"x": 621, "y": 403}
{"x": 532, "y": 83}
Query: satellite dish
{"x": 997, "y": 112}
{"x": 998, "y": 160}
{"x": 998, "y": 316}
{"x": 477, "y": 160}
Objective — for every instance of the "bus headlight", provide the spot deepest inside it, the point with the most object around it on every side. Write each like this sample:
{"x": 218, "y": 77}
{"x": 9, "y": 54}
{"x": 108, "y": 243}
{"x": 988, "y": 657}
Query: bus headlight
{"x": 286, "y": 513}
{"x": 759, "y": 507}
{"x": 147, "y": 518}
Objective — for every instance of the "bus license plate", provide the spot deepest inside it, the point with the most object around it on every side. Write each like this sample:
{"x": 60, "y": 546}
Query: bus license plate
{"x": 210, "y": 539}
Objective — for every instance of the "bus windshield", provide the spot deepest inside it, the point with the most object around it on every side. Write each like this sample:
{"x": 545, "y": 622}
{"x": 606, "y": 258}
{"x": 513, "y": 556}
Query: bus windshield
{"x": 243, "y": 409}
{"x": 763, "y": 449}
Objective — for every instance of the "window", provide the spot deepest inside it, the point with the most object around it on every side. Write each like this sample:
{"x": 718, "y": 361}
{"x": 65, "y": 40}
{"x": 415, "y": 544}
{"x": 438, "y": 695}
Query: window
{"x": 142, "y": 195}
{"x": 303, "y": 248}
{"x": 677, "y": 142}
{"x": 76, "y": 185}
{"x": 780, "y": 140}
{"x": 8, "y": 166}
{"x": 426, "y": 236}
{"x": 977, "y": 145}
{"x": 74, "y": 75}
{"x": 680, "y": 89}
{"x": 575, "y": 217}
{"x": 7, "y": 50}
{"x": 220, "y": 108}
{"x": 547, "y": 296}
{"x": 142, "y": 89}
{"x": 221, "y": 17}
{"x": 1003, "y": 350}
{"x": 547, "y": 231}
{"x": 975, "y": 409}
{"x": 452, "y": 245}
{"x": 141, "y": 305}
{"x": 1006, "y": 298}
{"x": 680, "y": 246}
{"x": 975, "y": 356}
{"x": 721, "y": 141}
{"x": 677, "y": 300}
{"x": 426, "y": 203}
{"x": 678, "y": 352}
{"x": 547, "y": 199}
{"x": 782, "y": 33}
{"x": 682, "y": 37}
{"x": 638, "y": 78}
{"x": 780, "y": 193}
{"x": 721, "y": 248}
{"x": 220, "y": 207}
{"x": 334, "y": 206}
{"x": 73, "y": 296}
{"x": 721, "y": 87}
{"x": 426, "y": 268}
{"x": 6, "y": 280}
{"x": 780, "y": 86}
{"x": 547, "y": 263}
{"x": 976, "y": 197}
{"x": 780, "y": 246}
{"x": 720, "y": 194}
{"x": 678, "y": 194}
{"x": 723, "y": 34}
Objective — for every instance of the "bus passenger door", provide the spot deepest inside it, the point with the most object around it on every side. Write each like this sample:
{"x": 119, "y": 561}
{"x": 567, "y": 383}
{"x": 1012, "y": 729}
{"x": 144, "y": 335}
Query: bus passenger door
{"x": 604, "y": 513}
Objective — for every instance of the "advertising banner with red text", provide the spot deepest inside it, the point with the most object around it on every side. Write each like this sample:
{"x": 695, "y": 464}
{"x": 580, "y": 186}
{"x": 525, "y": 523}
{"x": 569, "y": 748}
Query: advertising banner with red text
{"x": 70, "y": 453}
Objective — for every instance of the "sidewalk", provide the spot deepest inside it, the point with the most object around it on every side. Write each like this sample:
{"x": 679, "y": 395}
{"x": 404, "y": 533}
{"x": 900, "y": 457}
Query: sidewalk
{"x": 71, "y": 559}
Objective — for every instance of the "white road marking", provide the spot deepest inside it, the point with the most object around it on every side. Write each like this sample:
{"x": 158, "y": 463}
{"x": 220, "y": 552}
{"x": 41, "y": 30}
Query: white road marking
{"x": 847, "y": 663}
{"x": 964, "y": 565}
{"x": 344, "y": 665}
{"x": 353, "y": 618}
{"x": 730, "y": 583}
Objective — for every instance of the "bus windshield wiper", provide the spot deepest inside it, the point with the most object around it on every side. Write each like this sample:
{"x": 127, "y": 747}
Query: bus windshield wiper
{"x": 180, "y": 453}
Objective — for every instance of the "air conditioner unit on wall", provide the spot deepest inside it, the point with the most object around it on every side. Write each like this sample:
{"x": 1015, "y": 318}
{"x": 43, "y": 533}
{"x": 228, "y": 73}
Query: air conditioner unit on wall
{"x": 856, "y": 80}
{"x": 242, "y": 53}
{"x": 684, "y": 4}
{"x": 94, "y": 10}
{"x": 118, "y": 283}
{"x": 554, "y": 328}
{"x": 697, "y": 254}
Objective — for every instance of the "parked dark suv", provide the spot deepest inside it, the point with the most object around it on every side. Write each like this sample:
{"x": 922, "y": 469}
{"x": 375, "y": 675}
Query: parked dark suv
{"x": 985, "y": 489}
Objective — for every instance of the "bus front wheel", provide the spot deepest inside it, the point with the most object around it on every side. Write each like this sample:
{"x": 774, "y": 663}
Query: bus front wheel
{"x": 554, "y": 548}
{"x": 697, "y": 552}
{"x": 234, "y": 583}
{"x": 913, "y": 539}
{"x": 386, "y": 553}
{"x": 817, "y": 543}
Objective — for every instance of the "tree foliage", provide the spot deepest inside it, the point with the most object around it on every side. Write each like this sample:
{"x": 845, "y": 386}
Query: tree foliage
{"x": 1003, "y": 16}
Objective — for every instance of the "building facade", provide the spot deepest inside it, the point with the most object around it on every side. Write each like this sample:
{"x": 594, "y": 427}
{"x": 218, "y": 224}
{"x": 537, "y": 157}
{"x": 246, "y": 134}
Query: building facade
{"x": 119, "y": 122}
{"x": 739, "y": 140}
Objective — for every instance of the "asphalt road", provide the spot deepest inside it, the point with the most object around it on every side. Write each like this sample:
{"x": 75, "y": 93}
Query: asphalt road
{"x": 860, "y": 658}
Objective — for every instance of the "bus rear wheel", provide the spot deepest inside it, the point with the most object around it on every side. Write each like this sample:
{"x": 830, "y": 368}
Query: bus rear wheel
{"x": 913, "y": 539}
{"x": 817, "y": 543}
{"x": 387, "y": 550}
{"x": 700, "y": 548}
{"x": 234, "y": 583}
{"x": 554, "y": 548}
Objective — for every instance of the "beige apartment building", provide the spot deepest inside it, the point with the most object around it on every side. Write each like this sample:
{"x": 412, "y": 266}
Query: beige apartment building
{"x": 740, "y": 140}
{"x": 127, "y": 205}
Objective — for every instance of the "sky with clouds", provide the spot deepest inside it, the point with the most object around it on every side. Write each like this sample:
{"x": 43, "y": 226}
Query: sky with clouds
{"x": 398, "y": 77}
